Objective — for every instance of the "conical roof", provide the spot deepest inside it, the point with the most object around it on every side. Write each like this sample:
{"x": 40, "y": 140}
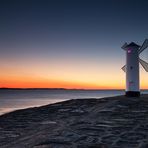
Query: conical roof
{"x": 132, "y": 44}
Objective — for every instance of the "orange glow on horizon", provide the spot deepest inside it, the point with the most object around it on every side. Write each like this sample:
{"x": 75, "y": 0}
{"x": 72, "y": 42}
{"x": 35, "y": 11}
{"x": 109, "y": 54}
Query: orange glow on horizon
{"x": 23, "y": 83}
{"x": 63, "y": 74}
{"x": 104, "y": 82}
{"x": 54, "y": 84}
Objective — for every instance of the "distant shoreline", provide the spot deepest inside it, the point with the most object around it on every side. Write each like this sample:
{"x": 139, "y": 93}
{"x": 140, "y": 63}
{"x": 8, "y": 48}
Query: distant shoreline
{"x": 5, "y": 88}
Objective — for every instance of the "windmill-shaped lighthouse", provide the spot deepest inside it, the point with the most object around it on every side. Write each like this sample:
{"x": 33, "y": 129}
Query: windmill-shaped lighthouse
{"x": 132, "y": 67}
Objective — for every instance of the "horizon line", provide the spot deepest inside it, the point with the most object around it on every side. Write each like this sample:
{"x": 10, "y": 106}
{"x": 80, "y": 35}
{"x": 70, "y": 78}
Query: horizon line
{"x": 58, "y": 88}
{"x": 8, "y": 88}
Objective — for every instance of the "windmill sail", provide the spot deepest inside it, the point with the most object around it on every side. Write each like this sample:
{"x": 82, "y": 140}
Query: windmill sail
{"x": 125, "y": 44}
{"x": 144, "y": 45}
{"x": 144, "y": 64}
{"x": 124, "y": 68}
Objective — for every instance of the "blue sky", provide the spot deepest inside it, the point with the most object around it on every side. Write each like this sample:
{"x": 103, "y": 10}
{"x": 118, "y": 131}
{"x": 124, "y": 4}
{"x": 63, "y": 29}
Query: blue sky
{"x": 85, "y": 32}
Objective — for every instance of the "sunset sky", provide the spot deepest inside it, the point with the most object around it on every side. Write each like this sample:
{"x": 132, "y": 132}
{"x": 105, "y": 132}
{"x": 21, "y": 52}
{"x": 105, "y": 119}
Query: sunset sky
{"x": 69, "y": 43}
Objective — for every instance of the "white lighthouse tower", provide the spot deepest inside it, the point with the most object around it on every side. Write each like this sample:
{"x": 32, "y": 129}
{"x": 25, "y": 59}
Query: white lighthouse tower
{"x": 132, "y": 67}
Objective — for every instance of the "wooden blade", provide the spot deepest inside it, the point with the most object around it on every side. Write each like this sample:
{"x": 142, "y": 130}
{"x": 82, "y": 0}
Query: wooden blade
{"x": 144, "y": 46}
{"x": 125, "y": 44}
{"x": 144, "y": 64}
{"x": 124, "y": 68}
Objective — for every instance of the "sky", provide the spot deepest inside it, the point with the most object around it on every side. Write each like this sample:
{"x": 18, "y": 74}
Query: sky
{"x": 69, "y": 43}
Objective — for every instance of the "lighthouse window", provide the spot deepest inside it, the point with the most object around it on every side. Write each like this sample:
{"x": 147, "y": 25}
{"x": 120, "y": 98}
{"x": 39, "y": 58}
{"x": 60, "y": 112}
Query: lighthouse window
{"x": 131, "y": 67}
{"x": 129, "y": 50}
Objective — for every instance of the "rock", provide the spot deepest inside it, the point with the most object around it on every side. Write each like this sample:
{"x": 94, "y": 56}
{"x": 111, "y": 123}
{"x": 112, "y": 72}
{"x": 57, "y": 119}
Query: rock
{"x": 116, "y": 122}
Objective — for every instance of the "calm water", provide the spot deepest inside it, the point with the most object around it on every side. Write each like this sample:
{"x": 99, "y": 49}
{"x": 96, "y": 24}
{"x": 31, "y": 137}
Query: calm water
{"x": 17, "y": 99}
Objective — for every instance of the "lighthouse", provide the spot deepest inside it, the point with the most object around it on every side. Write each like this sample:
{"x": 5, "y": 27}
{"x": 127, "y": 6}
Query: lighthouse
{"x": 132, "y": 69}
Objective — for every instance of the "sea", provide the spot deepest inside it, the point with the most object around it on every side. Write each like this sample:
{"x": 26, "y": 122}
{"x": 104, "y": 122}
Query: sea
{"x": 15, "y": 99}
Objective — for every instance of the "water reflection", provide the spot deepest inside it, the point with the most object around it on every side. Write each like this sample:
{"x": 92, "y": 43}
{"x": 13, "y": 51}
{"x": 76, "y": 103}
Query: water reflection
{"x": 22, "y": 104}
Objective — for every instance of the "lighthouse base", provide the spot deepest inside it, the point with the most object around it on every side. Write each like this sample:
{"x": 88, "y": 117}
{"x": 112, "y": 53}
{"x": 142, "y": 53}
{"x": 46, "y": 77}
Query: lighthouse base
{"x": 132, "y": 93}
